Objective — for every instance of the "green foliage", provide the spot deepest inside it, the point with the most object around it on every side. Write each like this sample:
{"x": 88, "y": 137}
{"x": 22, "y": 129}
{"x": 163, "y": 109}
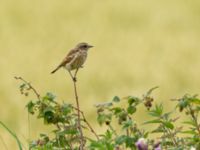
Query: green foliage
{"x": 127, "y": 134}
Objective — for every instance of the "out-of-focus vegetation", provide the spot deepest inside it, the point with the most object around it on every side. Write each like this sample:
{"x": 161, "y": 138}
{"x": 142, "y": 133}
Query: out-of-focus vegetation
{"x": 138, "y": 44}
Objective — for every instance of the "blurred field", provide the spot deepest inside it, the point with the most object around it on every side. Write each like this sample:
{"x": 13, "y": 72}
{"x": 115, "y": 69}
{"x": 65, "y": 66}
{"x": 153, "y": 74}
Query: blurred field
{"x": 138, "y": 45}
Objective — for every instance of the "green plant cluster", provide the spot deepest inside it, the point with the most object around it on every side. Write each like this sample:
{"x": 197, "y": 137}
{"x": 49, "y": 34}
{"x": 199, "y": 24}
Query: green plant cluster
{"x": 122, "y": 129}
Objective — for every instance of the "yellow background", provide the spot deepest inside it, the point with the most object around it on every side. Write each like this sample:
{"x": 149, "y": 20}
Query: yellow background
{"x": 139, "y": 44}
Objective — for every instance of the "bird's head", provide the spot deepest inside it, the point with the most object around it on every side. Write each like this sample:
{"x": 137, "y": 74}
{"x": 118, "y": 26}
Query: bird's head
{"x": 84, "y": 46}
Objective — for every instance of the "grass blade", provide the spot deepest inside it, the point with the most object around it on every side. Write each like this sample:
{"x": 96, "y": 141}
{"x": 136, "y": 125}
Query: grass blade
{"x": 13, "y": 134}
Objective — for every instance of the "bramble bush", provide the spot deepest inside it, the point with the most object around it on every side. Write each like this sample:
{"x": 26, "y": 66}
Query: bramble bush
{"x": 118, "y": 115}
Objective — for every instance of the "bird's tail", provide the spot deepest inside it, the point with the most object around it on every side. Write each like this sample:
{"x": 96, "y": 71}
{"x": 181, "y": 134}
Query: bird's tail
{"x": 55, "y": 70}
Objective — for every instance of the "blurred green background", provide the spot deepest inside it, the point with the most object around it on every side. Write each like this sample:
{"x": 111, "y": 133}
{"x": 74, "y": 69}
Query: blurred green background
{"x": 138, "y": 45}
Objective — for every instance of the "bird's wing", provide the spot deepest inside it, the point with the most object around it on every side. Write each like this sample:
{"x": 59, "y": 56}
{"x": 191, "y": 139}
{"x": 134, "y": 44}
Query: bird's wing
{"x": 70, "y": 56}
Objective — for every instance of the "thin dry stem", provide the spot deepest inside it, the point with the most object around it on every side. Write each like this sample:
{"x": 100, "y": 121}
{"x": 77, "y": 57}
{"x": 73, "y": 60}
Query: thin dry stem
{"x": 30, "y": 86}
{"x": 78, "y": 108}
{"x": 89, "y": 126}
{"x": 37, "y": 95}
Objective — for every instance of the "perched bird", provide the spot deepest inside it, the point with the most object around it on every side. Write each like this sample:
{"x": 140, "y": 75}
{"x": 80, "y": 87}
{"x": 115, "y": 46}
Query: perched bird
{"x": 75, "y": 58}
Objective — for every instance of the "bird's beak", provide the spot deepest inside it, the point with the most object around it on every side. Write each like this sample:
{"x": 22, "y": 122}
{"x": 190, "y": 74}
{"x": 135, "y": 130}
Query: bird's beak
{"x": 90, "y": 46}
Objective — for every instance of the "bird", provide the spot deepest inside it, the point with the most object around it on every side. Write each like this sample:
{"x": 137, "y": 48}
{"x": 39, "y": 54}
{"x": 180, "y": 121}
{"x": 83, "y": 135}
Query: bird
{"x": 75, "y": 58}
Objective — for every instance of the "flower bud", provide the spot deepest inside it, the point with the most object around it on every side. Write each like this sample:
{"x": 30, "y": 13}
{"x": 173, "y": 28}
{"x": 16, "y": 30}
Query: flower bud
{"x": 141, "y": 144}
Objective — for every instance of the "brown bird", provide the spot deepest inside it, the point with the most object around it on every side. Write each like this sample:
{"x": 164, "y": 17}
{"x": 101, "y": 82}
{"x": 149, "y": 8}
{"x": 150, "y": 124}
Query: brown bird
{"x": 75, "y": 58}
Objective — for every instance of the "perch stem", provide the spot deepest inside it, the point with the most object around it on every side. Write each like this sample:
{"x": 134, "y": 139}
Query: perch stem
{"x": 78, "y": 108}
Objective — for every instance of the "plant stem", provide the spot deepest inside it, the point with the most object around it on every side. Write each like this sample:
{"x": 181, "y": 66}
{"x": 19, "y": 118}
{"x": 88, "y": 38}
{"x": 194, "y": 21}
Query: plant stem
{"x": 78, "y": 108}
{"x": 194, "y": 119}
{"x": 127, "y": 132}
{"x": 89, "y": 126}
{"x": 172, "y": 137}
{"x": 79, "y": 119}
{"x": 113, "y": 130}
{"x": 30, "y": 86}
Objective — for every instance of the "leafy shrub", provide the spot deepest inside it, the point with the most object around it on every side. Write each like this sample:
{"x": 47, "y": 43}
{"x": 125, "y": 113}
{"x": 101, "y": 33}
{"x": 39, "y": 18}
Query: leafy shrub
{"x": 123, "y": 131}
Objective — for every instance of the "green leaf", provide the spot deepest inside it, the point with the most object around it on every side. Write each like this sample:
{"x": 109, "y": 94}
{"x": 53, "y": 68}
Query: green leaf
{"x": 30, "y": 107}
{"x": 96, "y": 145}
{"x": 72, "y": 131}
{"x": 66, "y": 109}
{"x": 102, "y": 118}
{"x": 22, "y": 86}
{"x": 158, "y": 130}
{"x": 157, "y": 111}
{"x": 120, "y": 140}
{"x": 122, "y": 117}
{"x": 48, "y": 114}
{"x": 131, "y": 109}
{"x": 130, "y": 142}
{"x": 108, "y": 135}
{"x": 192, "y": 123}
{"x": 168, "y": 125}
{"x": 49, "y": 97}
{"x": 104, "y": 105}
{"x": 116, "y": 99}
{"x": 117, "y": 110}
{"x": 195, "y": 101}
{"x": 153, "y": 121}
{"x": 189, "y": 132}
{"x": 132, "y": 99}
{"x": 127, "y": 124}
{"x": 183, "y": 104}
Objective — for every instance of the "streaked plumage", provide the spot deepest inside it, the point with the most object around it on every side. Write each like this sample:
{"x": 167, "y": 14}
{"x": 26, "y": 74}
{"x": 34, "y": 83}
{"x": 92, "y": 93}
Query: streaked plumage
{"x": 75, "y": 58}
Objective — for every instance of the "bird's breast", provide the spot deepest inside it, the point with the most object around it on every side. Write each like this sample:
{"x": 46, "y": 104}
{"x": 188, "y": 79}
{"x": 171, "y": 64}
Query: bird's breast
{"x": 77, "y": 62}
